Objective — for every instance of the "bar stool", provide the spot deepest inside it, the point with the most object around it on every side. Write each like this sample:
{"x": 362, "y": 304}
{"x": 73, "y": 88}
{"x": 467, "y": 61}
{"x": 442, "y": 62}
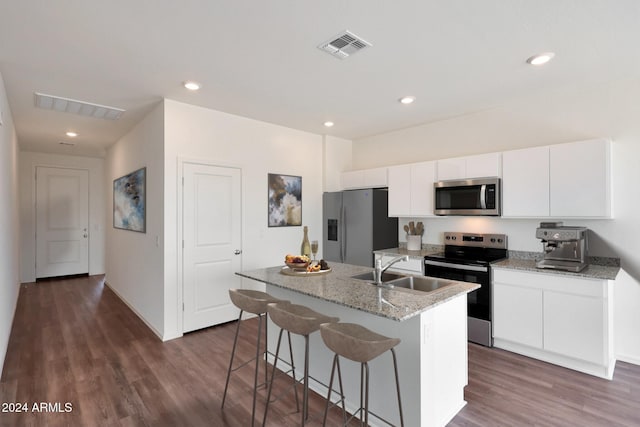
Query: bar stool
{"x": 362, "y": 345}
{"x": 255, "y": 302}
{"x": 300, "y": 320}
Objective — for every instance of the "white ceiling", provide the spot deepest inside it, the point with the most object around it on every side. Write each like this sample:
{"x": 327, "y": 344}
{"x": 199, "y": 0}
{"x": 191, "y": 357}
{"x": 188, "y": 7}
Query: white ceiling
{"x": 259, "y": 59}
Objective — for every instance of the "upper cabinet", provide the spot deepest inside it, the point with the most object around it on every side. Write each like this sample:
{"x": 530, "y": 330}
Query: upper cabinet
{"x": 580, "y": 178}
{"x": 365, "y": 178}
{"x": 525, "y": 182}
{"x": 563, "y": 181}
{"x": 482, "y": 165}
{"x": 411, "y": 189}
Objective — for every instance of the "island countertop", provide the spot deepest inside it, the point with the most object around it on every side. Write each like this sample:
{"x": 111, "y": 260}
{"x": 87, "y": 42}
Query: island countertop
{"x": 339, "y": 287}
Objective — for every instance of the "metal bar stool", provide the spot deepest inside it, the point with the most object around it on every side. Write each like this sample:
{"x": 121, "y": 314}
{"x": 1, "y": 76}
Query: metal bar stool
{"x": 361, "y": 345}
{"x": 301, "y": 320}
{"x": 255, "y": 302}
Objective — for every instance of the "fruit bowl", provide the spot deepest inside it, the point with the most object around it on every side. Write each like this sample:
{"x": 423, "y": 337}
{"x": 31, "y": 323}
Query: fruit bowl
{"x": 297, "y": 265}
{"x": 296, "y": 261}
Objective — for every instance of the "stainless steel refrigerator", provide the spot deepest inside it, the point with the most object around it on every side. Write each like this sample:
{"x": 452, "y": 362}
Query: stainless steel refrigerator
{"x": 356, "y": 223}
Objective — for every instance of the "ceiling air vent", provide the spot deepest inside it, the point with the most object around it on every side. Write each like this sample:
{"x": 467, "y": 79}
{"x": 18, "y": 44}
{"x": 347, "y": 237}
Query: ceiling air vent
{"x": 66, "y": 105}
{"x": 344, "y": 45}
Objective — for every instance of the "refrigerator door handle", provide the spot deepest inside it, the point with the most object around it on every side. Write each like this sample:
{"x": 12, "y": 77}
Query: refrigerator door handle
{"x": 343, "y": 238}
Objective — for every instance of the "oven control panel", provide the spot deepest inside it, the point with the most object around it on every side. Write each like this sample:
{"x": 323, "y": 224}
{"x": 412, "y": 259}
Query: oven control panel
{"x": 498, "y": 241}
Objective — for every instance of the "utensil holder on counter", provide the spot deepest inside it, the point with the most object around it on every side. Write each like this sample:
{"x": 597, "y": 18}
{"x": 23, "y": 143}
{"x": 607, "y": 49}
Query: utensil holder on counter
{"x": 414, "y": 243}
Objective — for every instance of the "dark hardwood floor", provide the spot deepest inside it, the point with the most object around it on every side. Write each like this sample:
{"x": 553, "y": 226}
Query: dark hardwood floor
{"x": 74, "y": 342}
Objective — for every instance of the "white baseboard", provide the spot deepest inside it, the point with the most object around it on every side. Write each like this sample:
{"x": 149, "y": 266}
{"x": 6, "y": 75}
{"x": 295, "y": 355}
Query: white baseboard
{"x": 5, "y": 346}
{"x": 154, "y": 330}
{"x": 629, "y": 359}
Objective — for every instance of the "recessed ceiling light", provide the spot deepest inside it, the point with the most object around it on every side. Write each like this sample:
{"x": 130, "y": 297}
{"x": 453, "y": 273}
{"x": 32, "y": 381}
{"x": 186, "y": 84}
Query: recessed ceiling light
{"x": 407, "y": 99}
{"x": 192, "y": 85}
{"x": 541, "y": 58}
{"x": 328, "y": 124}
{"x": 72, "y": 134}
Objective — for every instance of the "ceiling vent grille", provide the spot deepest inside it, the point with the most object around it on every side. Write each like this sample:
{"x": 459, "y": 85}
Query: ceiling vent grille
{"x": 66, "y": 105}
{"x": 344, "y": 45}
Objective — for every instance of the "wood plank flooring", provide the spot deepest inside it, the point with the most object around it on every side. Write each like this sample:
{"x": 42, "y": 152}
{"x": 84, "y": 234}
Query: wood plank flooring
{"x": 73, "y": 341}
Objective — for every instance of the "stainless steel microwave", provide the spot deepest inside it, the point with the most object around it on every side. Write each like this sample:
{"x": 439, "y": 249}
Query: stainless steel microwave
{"x": 478, "y": 196}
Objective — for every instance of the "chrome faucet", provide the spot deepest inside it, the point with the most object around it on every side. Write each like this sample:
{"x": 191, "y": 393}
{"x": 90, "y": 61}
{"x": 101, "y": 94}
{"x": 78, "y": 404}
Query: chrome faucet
{"x": 377, "y": 275}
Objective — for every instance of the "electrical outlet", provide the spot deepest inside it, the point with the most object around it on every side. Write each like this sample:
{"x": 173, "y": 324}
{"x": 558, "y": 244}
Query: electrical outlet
{"x": 1, "y": 118}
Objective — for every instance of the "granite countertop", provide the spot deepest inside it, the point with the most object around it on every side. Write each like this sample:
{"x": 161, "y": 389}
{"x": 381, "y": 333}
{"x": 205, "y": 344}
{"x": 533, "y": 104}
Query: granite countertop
{"x": 602, "y": 268}
{"x": 604, "y": 271}
{"x": 339, "y": 287}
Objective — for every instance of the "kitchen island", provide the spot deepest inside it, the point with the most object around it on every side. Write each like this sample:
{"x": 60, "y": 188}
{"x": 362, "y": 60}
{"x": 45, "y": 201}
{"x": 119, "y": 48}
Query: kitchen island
{"x": 432, "y": 356}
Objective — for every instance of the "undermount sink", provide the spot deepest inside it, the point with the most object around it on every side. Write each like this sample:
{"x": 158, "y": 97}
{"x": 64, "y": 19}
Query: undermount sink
{"x": 418, "y": 283}
{"x": 424, "y": 284}
{"x": 386, "y": 277}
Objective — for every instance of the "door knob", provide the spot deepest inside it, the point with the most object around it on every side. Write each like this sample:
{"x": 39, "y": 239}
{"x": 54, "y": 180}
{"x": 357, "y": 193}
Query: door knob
{"x": 237, "y": 252}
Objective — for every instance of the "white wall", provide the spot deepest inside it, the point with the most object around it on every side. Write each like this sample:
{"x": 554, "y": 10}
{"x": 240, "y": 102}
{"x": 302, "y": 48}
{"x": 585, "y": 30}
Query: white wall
{"x": 28, "y": 163}
{"x": 9, "y": 223}
{"x": 134, "y": 261}
{"x": 337, "y": 158}
{"x": 610, "y": 110}
{"x": 257, "y": 148}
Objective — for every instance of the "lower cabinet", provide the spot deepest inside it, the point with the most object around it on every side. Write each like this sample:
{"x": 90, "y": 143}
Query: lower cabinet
{"x": 560, "y": 319}
{"x": 517, "y": 314}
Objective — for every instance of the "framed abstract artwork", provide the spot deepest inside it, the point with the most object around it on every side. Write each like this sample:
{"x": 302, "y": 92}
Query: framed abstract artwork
{"x": 129, "y": 201}
{"x": 285, "y": 200}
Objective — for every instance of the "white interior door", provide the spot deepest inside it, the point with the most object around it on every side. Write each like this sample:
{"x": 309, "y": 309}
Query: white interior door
{"x": 62, "y": 222}
{"x": 212, "y": 241}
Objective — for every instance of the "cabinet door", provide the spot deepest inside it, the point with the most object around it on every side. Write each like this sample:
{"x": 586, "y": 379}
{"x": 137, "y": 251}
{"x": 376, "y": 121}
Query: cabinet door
{"x": 374, "y": 178}
{"x": 352, "y": 179}
{"x": 574, "y": 326}
{"x": 580, "y": 179}
{"x": 517, "y": 314}
{"x": 525, "y": 182}
{"x": 423, "y": 176}
{"x": 484, "y": 165}
{"x": 452, "y": 169}
{"x": 399, "y": 190}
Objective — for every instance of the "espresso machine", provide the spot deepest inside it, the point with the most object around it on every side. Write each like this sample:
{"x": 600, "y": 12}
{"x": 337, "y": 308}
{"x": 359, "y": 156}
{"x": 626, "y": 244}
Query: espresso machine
{"x": 565, "y": 248}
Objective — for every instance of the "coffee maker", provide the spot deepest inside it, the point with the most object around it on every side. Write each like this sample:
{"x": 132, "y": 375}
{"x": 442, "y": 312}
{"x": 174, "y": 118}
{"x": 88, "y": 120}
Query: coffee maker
{"x": 565, "y": 248}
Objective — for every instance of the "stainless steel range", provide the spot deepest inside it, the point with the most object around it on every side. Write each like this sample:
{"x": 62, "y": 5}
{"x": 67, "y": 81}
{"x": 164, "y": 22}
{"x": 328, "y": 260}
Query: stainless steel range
{"x": 467, "y": 258}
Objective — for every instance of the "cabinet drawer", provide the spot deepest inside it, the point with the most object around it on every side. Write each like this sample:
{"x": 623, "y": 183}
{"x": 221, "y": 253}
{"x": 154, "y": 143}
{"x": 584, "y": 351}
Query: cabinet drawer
{"x": 552, "y": 282}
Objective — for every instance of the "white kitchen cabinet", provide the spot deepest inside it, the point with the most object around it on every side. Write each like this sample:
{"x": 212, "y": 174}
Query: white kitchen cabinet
{"x": 525, "y": 182}
{"x": 365, "y": 178}
{"x": 399, "y": 190}
{"x": 561, "y": 319}
{"x": 482, "y": 165}
{"x": 517, "y": 314}
{"x": 574, "y": 326}
{"x": 411, "y": 189}
{"x": 423, "y": 175}
{"x": 580, "y": 179}
{"x": 452, "y": 169}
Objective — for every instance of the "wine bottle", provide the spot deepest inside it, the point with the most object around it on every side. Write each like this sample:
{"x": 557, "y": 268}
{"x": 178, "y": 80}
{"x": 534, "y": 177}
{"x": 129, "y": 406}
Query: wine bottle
{"x": 305, "y": 249}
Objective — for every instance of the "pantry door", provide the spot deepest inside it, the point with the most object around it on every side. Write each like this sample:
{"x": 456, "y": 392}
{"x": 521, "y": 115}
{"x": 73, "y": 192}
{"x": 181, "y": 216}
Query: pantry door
{"x": 211, "y": 230}
{"x": 62, "y": 222}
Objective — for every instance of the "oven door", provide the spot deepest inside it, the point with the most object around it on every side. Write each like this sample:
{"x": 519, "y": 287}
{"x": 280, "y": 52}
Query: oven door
{"x": 478, "y": 301}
